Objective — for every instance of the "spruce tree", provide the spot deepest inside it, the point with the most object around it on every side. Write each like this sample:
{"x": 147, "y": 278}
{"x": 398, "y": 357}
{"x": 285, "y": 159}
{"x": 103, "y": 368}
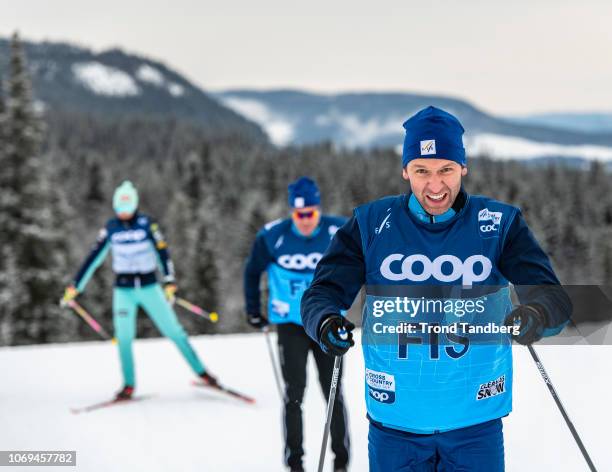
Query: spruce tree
{"x": 34, "y": 245}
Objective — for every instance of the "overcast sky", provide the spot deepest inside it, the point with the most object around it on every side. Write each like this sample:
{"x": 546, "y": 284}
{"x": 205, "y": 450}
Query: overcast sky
{"x": 509, "y": 57}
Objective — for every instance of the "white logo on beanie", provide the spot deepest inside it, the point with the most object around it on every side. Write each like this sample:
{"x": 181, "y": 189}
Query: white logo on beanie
{"x": 428, "y": 147}
{"x": 299, "y": 202}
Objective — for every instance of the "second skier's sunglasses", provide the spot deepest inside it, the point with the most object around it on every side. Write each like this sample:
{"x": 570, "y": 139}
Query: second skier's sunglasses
{"x": 302, "y": 215}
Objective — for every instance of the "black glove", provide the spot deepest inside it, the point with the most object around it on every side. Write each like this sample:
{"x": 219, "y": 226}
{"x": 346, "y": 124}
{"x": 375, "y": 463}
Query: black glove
{"x": 532, "y": 323}
{"x": 257, "y": 321}
{"x": 335, "y": 336}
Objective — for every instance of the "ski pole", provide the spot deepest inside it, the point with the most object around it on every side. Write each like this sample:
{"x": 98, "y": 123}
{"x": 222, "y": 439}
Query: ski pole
{"x": 553, "y": 392}
{"x": 274, "y": 364}
{"x": 330, "y": 402}
{"x": 82, "y": 312}
{"x": 196, "y": 310}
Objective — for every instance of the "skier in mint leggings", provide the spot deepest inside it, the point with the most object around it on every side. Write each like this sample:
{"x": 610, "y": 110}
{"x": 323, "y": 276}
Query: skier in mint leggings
{"x": 138, "y": 249}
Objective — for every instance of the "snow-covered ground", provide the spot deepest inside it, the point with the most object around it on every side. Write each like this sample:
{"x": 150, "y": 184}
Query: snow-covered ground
{"x": 188, "y": 429}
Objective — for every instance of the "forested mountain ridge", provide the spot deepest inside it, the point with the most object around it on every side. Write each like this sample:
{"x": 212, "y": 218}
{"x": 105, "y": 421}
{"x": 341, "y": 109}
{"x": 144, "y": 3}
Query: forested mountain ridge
{"x": 116, "y": 83}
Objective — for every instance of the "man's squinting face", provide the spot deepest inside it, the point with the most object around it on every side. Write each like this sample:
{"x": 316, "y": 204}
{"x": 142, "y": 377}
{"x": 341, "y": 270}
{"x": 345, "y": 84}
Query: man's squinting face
{"x": 435, "y": 183}
{"x": 306, "y": 219}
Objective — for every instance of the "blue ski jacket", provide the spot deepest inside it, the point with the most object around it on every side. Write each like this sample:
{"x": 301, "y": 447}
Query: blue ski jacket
{"x": 289, "y": 259}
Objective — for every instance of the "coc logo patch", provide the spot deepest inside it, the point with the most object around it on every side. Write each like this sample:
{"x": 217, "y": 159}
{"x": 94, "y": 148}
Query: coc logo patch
{"x": 381, "y": 386}
{"x": 492, "y": 388}
{"x": 488, "y": 222}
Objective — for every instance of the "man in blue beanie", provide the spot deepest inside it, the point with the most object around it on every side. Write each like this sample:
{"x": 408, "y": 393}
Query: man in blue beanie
{"x": 435, "y": 397}
{"x": 289, "y": 250}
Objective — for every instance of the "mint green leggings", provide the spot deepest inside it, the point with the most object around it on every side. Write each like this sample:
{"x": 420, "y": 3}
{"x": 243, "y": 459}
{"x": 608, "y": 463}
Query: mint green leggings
{"x": 152, "y": 299}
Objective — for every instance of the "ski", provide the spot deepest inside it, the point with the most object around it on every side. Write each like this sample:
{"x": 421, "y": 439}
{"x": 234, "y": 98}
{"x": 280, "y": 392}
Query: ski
{"x": 228, "y": 391}
{"x": 108, "y": 403}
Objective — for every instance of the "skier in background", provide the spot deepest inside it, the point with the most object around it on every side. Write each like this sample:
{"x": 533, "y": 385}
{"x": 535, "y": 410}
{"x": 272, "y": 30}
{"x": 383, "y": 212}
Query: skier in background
{"x": 435, "y": 404}
{"x": 289, "y": 250}
{"x": 138, "y": 249}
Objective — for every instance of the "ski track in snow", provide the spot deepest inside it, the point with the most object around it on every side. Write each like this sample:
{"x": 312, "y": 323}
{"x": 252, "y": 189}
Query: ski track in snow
{"x": 187, "y": 429}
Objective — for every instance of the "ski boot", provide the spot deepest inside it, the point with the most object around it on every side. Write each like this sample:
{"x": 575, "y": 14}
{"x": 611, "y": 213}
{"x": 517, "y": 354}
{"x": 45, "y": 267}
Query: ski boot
{"x": 125, "y": 393}
{"x": 209, "y": 380}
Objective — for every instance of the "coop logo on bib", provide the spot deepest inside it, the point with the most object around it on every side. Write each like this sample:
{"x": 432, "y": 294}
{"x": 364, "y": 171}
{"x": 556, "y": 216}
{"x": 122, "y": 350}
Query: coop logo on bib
{"x": 381, "y": 386}
{"x": 300, "y": 261}
{"x": 444, "y": 268}
{"x": 131, "y": 235}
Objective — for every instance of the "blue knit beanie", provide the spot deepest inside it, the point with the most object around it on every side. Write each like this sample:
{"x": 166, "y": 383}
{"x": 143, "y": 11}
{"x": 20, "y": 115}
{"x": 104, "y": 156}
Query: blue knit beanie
{"x": 304, "y": 192}
{"x": 433, "y": 133}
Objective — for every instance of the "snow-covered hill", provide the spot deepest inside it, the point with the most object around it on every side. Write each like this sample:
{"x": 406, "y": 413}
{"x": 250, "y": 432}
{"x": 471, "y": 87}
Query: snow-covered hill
{"x": 184, "y": 428}
{"x": 589, "y": 122}
{"x": 114, "y": 82}
{"x": 375, "y": 120}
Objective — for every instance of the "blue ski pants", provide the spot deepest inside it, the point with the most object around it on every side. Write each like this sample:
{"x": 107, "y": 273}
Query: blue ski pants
{"x": 478, "y": 448}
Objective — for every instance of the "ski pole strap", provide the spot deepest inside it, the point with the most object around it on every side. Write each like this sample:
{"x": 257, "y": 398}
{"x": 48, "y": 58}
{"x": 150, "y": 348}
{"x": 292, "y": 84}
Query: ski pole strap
{"x": 330, "y": 409}
{"x": 553, "y": 392}
{"x": 82, "y": 312}
{"x": 196, "y": 310}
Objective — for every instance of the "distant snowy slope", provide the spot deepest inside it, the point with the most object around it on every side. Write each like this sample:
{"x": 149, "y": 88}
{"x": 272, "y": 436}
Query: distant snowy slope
{"x": 112, "y": 82}
{"x": 585, "y": 122}
{"x": 509, "y": 147}
{"x": 375, "y": 120}
{"x": 105, "y": 80}
{"x": 188, "y": 429}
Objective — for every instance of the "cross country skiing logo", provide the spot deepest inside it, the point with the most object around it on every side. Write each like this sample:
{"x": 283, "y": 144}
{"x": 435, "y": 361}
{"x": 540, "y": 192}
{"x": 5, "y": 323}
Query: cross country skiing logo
{"x": 492, "y": 388}
{"x": 381, "y": 386}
